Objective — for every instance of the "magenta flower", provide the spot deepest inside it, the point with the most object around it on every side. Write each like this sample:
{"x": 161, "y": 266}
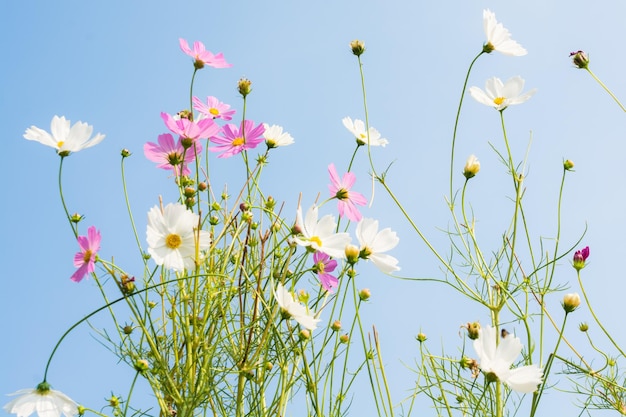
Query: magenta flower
{"x": 202, "y": 129}
{"x": 213, "y": 108}
{"x": 202, "y": 57}
{"x": 234, "y": 141}
{"x": 169, "y": 155}
{"x": 580, "y": 256}
{"x": 347, "y": 200}
{"x": 85, "y": 260}
{"x": 323, "y": 266}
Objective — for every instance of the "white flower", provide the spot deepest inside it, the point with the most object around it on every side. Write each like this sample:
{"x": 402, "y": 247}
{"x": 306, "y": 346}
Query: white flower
{"x": 296, "y": 310}
{"x": 44, "y": 401}
{"x": 373, "y": 243}
{"x": 357, "y": 127}
{"x": 172, "y": 237}
{"x": 65, "y": 139}
{"x": 274, "y": 136}
{"x": 498, "y": 37}
{"x": 499, "y": 95}
{"x": 320, "y": 235}
{"x": 497, "y": 360}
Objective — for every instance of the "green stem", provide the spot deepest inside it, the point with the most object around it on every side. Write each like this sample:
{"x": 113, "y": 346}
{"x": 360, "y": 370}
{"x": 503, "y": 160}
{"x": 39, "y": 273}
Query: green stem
{"x": 73, "y": 226}
{"x": 606, "y": 89}
{"x": 456, "y": 123}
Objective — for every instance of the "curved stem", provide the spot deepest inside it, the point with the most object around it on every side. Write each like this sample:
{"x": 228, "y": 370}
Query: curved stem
{"x": 67, "y": 213}
{"x": 606, "y": 89}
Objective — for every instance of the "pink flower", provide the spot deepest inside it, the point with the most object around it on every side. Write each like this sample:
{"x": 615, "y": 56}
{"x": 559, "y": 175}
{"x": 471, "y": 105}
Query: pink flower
{"x": 214, "y": 108}
{"x": 203, "y": 57}
{"x": 324, "y": 265}
{"x": 202, "y": 129}
{"x": 85, "y": 259}
{"x": 340, "y": 189}
{"x": 580, "y": 256}
{"x": 169, "y": 155}
{"x": 234, "y": 141}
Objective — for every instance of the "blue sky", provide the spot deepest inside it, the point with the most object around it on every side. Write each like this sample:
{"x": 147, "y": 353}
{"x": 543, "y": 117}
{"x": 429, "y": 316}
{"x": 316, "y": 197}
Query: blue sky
{"x": 117, "y": 65}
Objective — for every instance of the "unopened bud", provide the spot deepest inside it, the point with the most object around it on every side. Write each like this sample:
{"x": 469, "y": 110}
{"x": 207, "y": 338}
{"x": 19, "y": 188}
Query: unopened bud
{"x": 243, "y": 86}
{"x": 304, "y": 334}
{"x": 421, "y": 337}
{"x": 357, "y": 47}
{"x": 335, "y": 326}
{"x": 75, "y": 218}
{"x": 344, "y": 338}
{"x": 580, "y": 59}
{"x": 473, "y": 330}
{"x": 570, "y": 302}
{"x": 583, "y": 327}
{"x": 352, "y": 254}
{"x": 580, "y": 256}
{"x": 141, "y": 365}
{"x": 365, "y": 294}
{"x": 472, "y": 166}
{"x": 303, "y": 296}
{"x": 125, "y": 153}
{"x": 568, "y": 165}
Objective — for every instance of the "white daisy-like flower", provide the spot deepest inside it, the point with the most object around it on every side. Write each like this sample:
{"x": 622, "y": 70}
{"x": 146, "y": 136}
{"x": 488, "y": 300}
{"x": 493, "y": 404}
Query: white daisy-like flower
{"x": 373, "y": 243}
{"x": 496, "y": 361}
{"x": 357, "y": 128}
{"x": 63, "y": 138}
{"x": 42, "y": 400}
{"x": 294, "y": 309}
{"x": 173, "y": 236}
{"x": 275, "y": 137}
{"x": 501, "y": 95}
{"x": 320, "y": 235}
{"x": 498, "y": 37}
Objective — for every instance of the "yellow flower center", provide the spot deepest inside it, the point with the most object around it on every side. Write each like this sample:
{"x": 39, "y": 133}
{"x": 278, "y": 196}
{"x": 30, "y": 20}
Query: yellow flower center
{"x": 87, "y": 256}
{"x": 499, "y": 100}
{"x": 173, "y": 241}
{"x": 342, "y": 194}
{"x": 316, "y": 240}
{"x": 239, "y": 141}
{"x": 214, "y": 111}
{"x": 319, "y": 267}
{"x": 60, "y": 144}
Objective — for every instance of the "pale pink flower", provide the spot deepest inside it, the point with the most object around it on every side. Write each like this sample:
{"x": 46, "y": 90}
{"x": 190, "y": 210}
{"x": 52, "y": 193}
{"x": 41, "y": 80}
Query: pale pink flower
{"x": 85, "y": 260}
{"x": 202, "y": 57}
{"x": 234, "y": 141}
{"x": 187, "y": 129}
{"x": 323, "y": 267}
{"x": 213, "y": 108}
{"x": 169, "y": 155}
{"x": 347, "y": 200}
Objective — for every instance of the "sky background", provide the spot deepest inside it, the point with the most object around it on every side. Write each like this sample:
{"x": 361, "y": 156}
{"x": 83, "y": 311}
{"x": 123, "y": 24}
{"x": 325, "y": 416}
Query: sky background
{"x": 117, "y": 65}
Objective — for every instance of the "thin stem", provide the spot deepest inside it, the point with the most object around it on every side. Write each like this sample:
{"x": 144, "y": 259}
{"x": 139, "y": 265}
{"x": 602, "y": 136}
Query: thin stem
{"x": 73, "y": 226}
{"x": 606, "y": 89}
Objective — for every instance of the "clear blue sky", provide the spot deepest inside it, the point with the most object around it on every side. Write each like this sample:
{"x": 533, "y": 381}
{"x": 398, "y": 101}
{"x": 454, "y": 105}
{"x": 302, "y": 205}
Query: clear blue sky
{"x": 117, "y": 65}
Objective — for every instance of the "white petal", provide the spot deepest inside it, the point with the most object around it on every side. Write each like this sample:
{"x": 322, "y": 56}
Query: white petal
{"x": 524, "y": 379}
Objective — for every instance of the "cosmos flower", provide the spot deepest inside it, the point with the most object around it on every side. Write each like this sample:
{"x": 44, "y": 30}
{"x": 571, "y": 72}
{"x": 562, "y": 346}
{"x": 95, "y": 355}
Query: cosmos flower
{"x": 357, "y": 128}
{"x": 373, "y": 243}
{"x": 323, "y": 267}
{"x": 169, "y": 155}
{"x": 346, "y": 200}
{"x": 63, "y": 138}
{"x": 320, "y": 235}
{"x": 85, "y": 260}
{"x": 499, "y": 95}
{"x": 472, "y": 166}
{"x": 580, "y": 256}
{"x": 202, "y": 57}
{"x": 498, "y": 37}
{"x": 294, "y": 309}
{"x": 275, "y": 137}
{"x": 187, "y": 129}
{"x": 213, "y": 108}
{"x": 234, "y": 141}
{"x": 496, "y": 361}
{"x": 44, "y": 401}
{"x": 173, "y": 236}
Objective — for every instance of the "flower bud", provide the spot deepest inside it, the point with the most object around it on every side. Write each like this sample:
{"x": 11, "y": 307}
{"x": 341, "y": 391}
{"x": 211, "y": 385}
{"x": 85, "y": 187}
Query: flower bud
{"x": 125, "y": 153}
{"x": 270, "y": 203}
{"x": 421, "y": 337}
{"x": 114, "y": 401}
{"x": 580, "y": 59}
{"x": 472, "y": 330}
{"x": 189, "y": 192}
{"x": 81, "y": 410}
{"x": 127, "y": 284}
{"x": 127, "y": 329}
{"x": 570, "y": 302}
{"x": 303, "y": 296}
{"x": 568, "y": 165}
{"x": 357, "y": 47}
{"x": 304, "y": 334}
{"x": 243, "y": 86}
{"x": 202, "y": 186}
{"x": 472, "y": 166}
{"x": 580, "y": 256}
{"x": 335, "y": 326}
{"x": 75, "y": 218}
{"x": 583, "y": 327}
{"x": 344, "y": 338}
{"x": 268, "y": 366}
{"x": 365, "y": 294}
{"x": 151, "y": 304}
{"x": 141, "y": 365}
{"x": 352, "y": 254}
